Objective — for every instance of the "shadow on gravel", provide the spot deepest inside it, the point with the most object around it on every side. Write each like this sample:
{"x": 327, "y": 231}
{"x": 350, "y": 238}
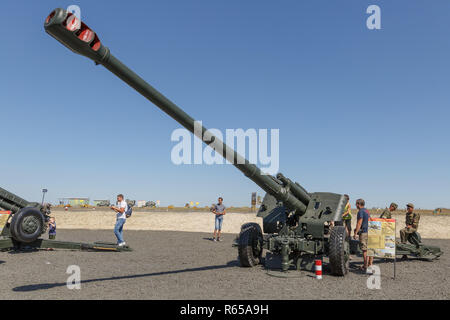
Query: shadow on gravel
{"x": 23, "y": 251}
{"x": 46, "y": 286}
{"x": 211, "y": 239}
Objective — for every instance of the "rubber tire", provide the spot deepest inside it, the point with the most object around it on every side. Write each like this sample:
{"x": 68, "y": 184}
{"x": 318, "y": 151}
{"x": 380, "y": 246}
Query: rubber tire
{"x": 249, "y": 255}
{"x": 338, "y": 261}
{"x": 251, "y": 224}
{"x": 16, "y": 226}
{"x": 339, "y": 223}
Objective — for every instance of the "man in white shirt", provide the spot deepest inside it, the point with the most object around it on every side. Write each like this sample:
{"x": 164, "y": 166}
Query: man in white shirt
{"x": 120, "y": 219}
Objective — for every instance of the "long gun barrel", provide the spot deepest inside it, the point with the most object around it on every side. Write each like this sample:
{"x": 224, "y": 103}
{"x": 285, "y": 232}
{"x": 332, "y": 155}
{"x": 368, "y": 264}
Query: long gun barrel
{"x": 78, "y": 37}
{"x": 12, "y": 202}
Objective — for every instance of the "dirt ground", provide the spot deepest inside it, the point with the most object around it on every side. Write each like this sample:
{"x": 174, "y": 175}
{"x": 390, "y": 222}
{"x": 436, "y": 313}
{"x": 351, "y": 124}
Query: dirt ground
{"x": 432, "y": 227}
{"x": 188, "y": 265}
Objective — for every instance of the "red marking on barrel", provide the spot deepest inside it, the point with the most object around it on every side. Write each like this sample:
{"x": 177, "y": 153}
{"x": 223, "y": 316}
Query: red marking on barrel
{"x": 96, "y": 46}
{"x": 51, "y": 15}
{"x": 86, "y": 35}
{"x": 73, "y": 23}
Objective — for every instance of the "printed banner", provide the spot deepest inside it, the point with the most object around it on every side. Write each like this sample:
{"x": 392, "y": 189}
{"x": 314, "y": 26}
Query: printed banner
{"x": 4, "y": 215}
{"x": 381, "y": 242}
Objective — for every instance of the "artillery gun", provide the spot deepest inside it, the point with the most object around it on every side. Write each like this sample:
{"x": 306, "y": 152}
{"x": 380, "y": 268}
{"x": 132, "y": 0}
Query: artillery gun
{"x": 295, "y": 221}
{"x": 26, "y": 223}
{"x": 28, "y": 219}
{"x": 414, "y": 247}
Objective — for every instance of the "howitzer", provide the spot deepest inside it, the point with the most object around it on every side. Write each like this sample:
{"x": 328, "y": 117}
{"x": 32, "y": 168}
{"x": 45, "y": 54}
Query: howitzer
{"x": 29, "y": 220}
{"x": 294, "y": 220}
{"x": 414, "y": 247}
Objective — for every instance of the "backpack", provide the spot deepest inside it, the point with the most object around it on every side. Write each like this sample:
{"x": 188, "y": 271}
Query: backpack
{"x": 129, "y": 211}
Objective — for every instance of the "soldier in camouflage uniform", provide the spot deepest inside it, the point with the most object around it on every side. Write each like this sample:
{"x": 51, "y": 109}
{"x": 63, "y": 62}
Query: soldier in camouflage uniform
{"x": 412, "y": 223}
{"x": 387, "y": 213}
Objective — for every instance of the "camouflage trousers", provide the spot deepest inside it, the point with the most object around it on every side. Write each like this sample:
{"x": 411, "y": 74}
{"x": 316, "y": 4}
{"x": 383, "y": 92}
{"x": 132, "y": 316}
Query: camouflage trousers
{"x": 405, "y": 232}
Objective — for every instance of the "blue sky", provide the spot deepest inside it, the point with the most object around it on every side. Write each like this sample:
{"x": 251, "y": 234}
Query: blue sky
{"x": 363, "y": 112}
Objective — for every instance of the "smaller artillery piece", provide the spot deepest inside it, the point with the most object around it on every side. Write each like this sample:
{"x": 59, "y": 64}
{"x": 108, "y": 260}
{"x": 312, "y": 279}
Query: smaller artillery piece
{"x": 28, "y": 221}
{"x": 414, "y": 248}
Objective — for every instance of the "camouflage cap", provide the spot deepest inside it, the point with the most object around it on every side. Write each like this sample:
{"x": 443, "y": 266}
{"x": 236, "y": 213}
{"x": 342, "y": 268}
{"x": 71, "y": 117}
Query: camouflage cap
{"x": 393, "y": 204}
{"x": 410, "y": 205}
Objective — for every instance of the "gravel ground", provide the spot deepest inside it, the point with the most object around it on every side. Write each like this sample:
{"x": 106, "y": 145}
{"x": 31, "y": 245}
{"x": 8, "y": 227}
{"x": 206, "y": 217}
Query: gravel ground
{"x": 187, "y": 265}
{"x": 432, "y": 227}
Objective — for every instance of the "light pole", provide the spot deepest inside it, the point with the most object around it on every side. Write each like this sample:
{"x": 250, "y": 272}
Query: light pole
{"x": 44, "y": 191}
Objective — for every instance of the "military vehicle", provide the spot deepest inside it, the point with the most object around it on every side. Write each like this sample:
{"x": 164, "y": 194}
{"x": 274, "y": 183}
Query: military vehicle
{"x": 130, "y": 203}
{"x": 27, "y": 221}
{"x": 295, "y": 222}
{"x": 103, "y": 203}
{"x": 150, "y": 204}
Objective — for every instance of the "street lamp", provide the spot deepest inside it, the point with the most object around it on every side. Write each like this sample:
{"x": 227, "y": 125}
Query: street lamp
{"x": 44, "y": 191}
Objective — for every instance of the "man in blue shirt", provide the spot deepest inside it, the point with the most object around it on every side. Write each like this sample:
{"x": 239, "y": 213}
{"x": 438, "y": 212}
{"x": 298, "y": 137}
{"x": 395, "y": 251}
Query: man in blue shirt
{"x": 219, "y": 211}
{"x": 362, "y": 226}
{"x": 52, "y": 229}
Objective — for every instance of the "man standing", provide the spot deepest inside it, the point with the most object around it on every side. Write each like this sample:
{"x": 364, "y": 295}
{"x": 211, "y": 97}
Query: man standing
{"x": 412, "y": 223}
{"x": 362, "y": 226}
{"x": 219, "y": 211}
{"x": 120, "y": 219}
{"x": 387, "y": 213}
{"x": 52, "y": 228}
{"x": 347, "y": 216}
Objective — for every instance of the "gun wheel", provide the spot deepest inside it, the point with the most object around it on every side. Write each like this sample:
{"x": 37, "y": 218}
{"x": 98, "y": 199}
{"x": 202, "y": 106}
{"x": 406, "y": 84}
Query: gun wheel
{"x": 251, "y": 224}
{"x": 339, "y": 251}
{"x": 27, "y": 225}
{"x": 250, "y": 245}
